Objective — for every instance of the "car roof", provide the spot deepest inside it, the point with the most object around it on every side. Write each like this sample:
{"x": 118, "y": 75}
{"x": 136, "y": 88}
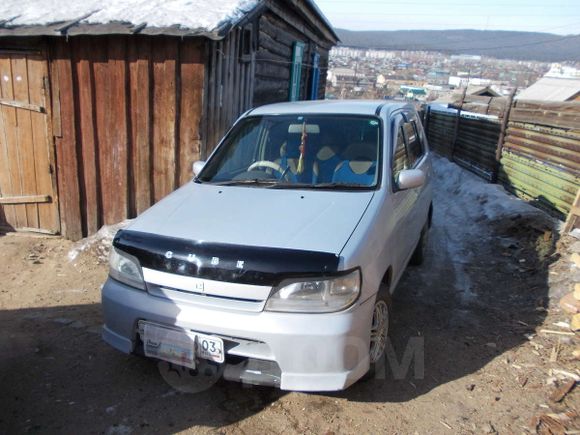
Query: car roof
{"x": 343, "y": 107}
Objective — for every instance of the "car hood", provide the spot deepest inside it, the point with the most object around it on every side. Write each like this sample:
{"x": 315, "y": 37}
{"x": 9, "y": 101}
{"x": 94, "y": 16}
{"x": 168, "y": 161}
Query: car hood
{"x": 320, "y": 220}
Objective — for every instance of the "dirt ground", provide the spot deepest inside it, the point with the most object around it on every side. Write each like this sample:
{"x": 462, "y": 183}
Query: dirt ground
{"x": 474, "y": 317}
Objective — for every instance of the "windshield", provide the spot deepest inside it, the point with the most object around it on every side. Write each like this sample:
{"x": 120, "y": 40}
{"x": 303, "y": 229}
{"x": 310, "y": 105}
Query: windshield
{"x": 331, "y": 151}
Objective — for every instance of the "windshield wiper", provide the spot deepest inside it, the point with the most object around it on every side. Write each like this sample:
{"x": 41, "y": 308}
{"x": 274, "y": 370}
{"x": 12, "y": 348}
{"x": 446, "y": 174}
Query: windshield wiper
{"x": 275, "y": 184}
{"x": 251, "y": 181}
{"x": 345, "y": 186}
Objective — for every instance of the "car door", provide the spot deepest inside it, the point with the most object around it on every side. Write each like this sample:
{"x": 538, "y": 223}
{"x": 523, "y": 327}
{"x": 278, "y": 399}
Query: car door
{"x": 402, "y": 200}
{"x": 417, "y": 159}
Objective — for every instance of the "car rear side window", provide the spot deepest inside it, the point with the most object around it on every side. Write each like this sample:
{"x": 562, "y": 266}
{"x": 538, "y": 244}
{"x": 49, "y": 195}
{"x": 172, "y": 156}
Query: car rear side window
{"x": 414, "y": 146}
{"x": 400, "y": 158}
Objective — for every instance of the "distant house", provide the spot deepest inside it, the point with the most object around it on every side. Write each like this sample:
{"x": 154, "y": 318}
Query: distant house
{"x": 552, "y": 89}
{"x": 104, "y": 106}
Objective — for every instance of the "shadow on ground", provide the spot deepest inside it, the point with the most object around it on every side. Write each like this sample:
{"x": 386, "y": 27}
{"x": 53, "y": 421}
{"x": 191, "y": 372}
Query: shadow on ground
{"x": 464, "y": 307}
{"x": 58, "y": 375}
{"x": 474, "y": 298}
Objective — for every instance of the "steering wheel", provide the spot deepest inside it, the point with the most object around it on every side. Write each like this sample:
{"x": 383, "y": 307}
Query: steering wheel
{"x": 271, "y": 165}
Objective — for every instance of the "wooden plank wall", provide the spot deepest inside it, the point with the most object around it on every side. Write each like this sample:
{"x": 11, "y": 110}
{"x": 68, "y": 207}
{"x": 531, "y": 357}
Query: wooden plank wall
{"x": 278, "y": 30}
{"x": 229, "y": 87}
{"x": 441, "y": 132}
{"x": 126, "y": 117}
{"x": 541, "y": 154}
{"x": 469, "y": 140}
{"x": 236, "y": 82}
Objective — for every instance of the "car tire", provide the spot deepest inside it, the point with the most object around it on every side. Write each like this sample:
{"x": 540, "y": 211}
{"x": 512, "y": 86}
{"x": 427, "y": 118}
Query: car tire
{"x": 419, "y": 254}
{"x": 380, "y": 328}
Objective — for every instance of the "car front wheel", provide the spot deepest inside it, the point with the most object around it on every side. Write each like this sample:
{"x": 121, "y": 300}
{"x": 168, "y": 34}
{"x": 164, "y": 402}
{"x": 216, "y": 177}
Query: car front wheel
{"x": 380, "y": 327}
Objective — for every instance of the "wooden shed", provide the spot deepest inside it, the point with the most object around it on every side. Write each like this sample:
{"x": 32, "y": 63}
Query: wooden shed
{"x": 103, "y": 109}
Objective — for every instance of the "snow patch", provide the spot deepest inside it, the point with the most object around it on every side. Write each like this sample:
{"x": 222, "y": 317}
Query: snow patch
{"x": 465, "y": 206}
{"x": 98, "y": 244}
{"x": 479, "y": 199}
{"x": 187, "y": 14}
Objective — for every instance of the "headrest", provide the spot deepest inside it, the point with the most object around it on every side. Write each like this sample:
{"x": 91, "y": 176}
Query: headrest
{"x": 325, "y": 153}
{"x": 361, "y": 151}
{"x": 360, "y": 167}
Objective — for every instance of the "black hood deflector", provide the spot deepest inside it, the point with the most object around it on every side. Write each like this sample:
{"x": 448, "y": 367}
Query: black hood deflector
{"x": 224, "y": 262}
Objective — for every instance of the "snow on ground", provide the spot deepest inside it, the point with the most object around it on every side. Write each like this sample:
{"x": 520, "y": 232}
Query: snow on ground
{"x": 98, "y": 244}
{"x": 189, "y": 14}
{"x": 479, "y": 199}
{"x": 465, "y": 209}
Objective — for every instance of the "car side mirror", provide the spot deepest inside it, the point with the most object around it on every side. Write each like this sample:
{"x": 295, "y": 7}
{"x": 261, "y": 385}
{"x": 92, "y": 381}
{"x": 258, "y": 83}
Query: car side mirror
{"x": 198, "y": 166}
{"x": 410, "y": 179}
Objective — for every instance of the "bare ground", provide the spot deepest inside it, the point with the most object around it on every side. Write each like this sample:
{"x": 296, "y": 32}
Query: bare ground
{"x": 470, "y": 319}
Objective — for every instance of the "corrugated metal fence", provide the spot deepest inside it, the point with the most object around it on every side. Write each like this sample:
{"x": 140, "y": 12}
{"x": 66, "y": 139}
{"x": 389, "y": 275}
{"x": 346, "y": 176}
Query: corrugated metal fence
{"x": 539, "y": 152}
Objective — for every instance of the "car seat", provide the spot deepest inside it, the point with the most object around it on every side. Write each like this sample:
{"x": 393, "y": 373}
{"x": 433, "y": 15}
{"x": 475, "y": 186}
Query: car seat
{"x": 359, "y": 164}
{"x": 290, "y": 157}
{"x": 361, "y": 172}
{"x": 325, "y": 164}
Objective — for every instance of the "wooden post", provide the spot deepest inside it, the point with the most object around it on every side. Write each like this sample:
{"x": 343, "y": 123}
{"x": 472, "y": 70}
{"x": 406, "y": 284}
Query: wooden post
{"x": 457, "y": 120}
{"x": 571, "y": 221}
{"x": 502, "y": 134}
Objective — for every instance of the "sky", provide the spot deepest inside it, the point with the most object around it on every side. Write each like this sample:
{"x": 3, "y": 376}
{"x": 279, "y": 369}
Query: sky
{"x": 556, "y": 16}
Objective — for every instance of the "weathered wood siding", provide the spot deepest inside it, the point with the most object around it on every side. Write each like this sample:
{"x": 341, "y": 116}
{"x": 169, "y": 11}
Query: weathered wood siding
{"x": 237, "y": 80}
{"x": 541, "y": 154}
{"x": 126, "y": 118}
{"x": 228, "y": 88}
{"x": 468, "y": 140}
{"x": 278, "y": 29}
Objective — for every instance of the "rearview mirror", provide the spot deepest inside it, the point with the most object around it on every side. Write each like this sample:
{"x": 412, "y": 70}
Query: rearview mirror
{"x": 309, "y": 128}
{"x": 198, "y": 166}
{"x": 410, "y": 179}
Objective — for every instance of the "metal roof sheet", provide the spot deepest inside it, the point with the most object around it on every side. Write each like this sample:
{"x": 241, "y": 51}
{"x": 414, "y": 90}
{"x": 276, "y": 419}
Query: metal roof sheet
{"x": 551, "y": 89}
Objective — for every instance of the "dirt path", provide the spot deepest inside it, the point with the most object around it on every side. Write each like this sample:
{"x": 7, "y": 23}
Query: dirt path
{"x": 466, "y": 355}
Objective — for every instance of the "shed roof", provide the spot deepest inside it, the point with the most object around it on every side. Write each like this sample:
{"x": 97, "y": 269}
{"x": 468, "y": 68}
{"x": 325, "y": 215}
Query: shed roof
{"x": 482, "y": 90}
{"x": 551, "y": 89}
{"x": 153, "y": 17}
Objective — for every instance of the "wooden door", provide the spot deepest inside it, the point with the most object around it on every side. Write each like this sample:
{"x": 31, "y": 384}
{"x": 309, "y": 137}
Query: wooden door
{"x": 27, "y": 182}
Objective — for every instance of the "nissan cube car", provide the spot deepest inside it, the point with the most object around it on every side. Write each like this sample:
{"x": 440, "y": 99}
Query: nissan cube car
{"x": 277, "y": 261}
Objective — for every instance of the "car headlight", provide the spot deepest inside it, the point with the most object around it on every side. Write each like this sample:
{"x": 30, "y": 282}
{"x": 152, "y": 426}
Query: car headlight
{"x": 322, "y": 295}
{"x": 125, "y": 268}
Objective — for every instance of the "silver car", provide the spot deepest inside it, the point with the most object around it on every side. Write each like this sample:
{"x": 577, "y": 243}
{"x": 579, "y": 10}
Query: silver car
{"x": 276, "y": 263}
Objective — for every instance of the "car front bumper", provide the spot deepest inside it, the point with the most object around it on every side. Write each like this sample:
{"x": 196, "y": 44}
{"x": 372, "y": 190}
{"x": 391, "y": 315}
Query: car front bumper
{"x": 314, "y": 352}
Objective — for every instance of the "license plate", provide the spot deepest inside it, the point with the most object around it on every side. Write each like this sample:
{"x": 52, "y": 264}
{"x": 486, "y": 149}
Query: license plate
{"x": 181, "y": 347}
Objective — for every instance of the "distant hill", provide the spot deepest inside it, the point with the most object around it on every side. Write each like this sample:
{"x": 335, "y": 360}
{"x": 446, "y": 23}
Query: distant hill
{"x": 545, "y": 47}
